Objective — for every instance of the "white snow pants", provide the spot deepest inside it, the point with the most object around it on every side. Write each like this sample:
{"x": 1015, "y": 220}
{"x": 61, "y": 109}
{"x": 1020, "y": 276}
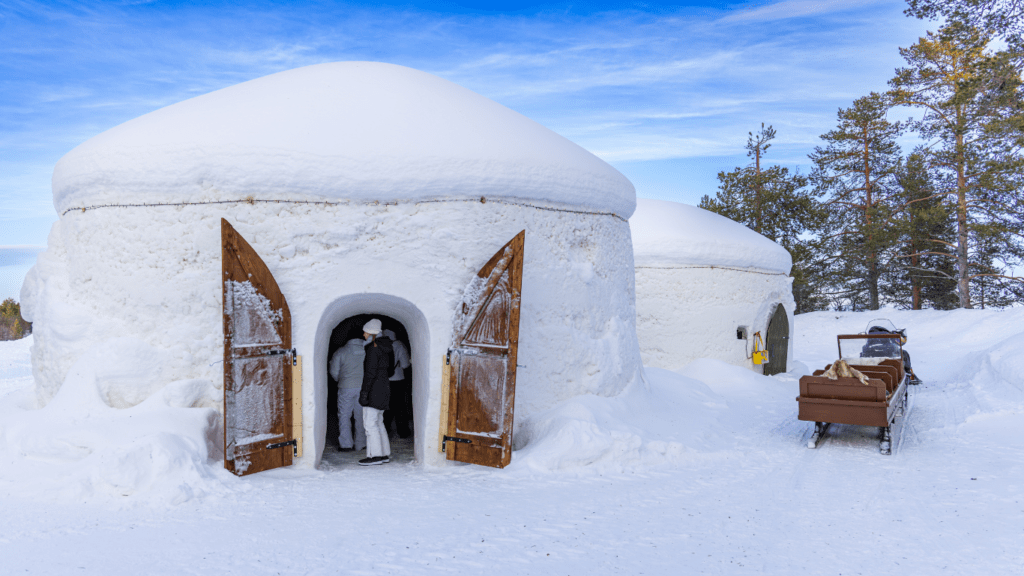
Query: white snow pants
{"x": 349, "y": 408}
{"x": 377, "y": 443}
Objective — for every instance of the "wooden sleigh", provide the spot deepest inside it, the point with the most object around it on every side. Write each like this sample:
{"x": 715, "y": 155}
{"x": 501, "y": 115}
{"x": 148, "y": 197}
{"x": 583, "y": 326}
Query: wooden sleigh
{"x": 849, "y": 401}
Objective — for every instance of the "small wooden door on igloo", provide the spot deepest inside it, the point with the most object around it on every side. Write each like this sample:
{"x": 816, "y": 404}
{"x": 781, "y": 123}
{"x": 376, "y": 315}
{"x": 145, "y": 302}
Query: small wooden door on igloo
{"x": 777, "y": 342}
{"x": 481, "y": 366}
{"x": 258, "y": 360}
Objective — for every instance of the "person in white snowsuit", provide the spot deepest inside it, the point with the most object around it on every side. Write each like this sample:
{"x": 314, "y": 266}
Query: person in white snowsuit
{"x": 347, "y": 368}
{"x": 401, "y": 412}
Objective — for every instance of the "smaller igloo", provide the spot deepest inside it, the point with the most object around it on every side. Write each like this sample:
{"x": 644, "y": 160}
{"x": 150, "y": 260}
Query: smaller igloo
{"x": 229, "y": 235}
{"x": 706, "y": 286}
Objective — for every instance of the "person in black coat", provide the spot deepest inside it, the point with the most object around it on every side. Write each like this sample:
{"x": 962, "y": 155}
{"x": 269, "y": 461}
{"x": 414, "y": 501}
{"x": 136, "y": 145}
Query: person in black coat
{"x": 375, "y": 395}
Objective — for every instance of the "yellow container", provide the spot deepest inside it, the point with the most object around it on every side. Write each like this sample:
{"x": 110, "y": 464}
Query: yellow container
{"x": 760, "y": 355}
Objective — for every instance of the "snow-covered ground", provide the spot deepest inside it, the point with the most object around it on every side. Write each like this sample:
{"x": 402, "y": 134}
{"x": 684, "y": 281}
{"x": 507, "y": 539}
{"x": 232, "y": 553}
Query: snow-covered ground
{"x": 704, "y": 471}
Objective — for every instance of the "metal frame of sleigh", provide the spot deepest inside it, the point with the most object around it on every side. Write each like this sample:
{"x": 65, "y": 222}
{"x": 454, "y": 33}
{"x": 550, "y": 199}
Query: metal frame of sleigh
{"x": 871, "y": 390}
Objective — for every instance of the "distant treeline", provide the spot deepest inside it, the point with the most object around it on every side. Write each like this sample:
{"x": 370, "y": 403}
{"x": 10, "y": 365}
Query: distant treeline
{"x": 939, "y": 226}
{"x": 12, "y": 325}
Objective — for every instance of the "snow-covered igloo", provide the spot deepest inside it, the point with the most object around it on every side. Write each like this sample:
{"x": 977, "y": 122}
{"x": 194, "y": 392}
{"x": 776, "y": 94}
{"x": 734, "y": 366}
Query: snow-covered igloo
{"x": 364, "y": 188}
{"x": 706, "y": 286}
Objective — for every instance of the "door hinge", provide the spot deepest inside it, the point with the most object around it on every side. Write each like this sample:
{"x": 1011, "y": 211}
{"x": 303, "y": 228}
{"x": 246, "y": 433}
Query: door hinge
{"x": 454, "y": 439}
{"x": 280, "y": 351}
{"x": 293, "y": 443}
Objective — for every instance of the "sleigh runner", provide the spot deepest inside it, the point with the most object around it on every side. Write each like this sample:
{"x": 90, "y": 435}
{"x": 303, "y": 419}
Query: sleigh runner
{"x": 862, "y": 391}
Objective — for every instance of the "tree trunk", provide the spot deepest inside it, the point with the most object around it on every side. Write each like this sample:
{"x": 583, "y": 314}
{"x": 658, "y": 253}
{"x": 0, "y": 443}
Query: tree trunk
{"x": 915, "y": 282}
{"x": 872, "y": 255}
{"x": 757, "y": 189}
{"x": 963, "y": 283}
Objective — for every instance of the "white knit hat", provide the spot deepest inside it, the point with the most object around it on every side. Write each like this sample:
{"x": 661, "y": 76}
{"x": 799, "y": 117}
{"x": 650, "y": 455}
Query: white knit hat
{"x": 372, "y": 327}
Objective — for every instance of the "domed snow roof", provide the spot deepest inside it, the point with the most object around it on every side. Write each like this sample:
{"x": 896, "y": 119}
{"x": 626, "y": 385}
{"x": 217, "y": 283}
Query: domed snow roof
{"x": 669, "y": 234}
{"x": 362, "y": 131}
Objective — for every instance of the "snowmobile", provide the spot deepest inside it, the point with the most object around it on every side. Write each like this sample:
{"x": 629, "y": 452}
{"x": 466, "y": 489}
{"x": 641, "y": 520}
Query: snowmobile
{"x": 884, "y": 347}
{"x": 869, "y": 389}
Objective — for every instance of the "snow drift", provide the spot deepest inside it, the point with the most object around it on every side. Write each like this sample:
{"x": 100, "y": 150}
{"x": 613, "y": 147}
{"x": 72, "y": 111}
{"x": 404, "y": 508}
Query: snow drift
{"x": 90, "y": 442}
{"x": 670, "y": 419}
{"x": 165, "y": 448}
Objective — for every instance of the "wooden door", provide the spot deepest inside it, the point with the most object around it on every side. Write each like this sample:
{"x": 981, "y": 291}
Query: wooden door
{"x": 777, "y": 342}
{"x": 482, "y": 371}
{"x": 257, "y": 361}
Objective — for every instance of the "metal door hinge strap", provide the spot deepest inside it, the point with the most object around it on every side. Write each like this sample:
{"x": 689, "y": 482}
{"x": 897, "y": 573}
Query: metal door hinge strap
{"x": 293, "y": 443}
{"x": 453, "y": 439}
{"x": 279, "y": 351}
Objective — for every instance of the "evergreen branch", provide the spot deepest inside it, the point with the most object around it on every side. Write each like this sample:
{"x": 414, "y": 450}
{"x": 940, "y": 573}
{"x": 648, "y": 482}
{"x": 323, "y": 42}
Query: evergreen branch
{"x": 928, "y": 253}
{"x": 1017, "y": 278}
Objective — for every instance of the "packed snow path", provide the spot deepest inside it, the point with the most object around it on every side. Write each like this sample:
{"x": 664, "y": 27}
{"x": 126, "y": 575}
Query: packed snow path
{"x": 683, "y": 479}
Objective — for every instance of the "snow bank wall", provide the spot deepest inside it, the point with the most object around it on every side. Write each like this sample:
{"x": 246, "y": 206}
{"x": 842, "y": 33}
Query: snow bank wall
{"x": 685, "y": 313}
{"x": 139, "y": 288}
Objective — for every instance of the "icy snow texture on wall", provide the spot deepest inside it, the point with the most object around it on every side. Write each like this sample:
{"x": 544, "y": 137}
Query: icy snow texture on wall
{"x": 700, "y": 276}
{"x": 673, "y": 234}
{"x": 362, "y": 131}
{"x": 688, "y": 313}
{"x": 152, "y": 274}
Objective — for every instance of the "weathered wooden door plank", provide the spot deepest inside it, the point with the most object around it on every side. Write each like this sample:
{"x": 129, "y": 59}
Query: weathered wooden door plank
{"x": 257, "y": 361}
{"x": 481, "y": 367}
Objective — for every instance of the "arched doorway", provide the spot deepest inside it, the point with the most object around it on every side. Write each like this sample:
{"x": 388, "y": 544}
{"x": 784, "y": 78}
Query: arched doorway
{"x": 347, "y": 313}
{"x": 399, "y": 420}
{"x": 777, "y": 342}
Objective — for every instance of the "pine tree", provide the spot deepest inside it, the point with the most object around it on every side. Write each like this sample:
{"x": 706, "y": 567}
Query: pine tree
{"x": 989, "y": 289}
{"x": 855, "y": 172}
{"x": 775, "y": 204}
{"x": 12, "y": 326}
{"x": 810, "y": 276}
{"x": 922, "y": 271}
{"x": 1004, "y": 18}
{"x": 975, "y": 126}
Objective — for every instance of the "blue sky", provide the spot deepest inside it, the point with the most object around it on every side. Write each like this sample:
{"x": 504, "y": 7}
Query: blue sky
{"x": 665, "y": 92}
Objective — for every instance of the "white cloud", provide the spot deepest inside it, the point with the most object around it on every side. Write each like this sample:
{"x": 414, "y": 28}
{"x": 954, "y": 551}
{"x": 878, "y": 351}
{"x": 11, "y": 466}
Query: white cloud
{"x": 795, "y": 9}
{"x": 631, "y": 86}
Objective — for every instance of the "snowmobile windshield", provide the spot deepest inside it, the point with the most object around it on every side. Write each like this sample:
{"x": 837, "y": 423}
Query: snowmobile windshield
{"x": 878, "y": 344}
{"x": 883, "y": 324}
{"x": 881, "y": 348}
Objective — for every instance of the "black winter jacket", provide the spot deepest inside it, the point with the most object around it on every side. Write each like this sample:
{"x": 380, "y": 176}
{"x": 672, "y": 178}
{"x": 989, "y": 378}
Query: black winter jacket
{"x": 377, "y": 368}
